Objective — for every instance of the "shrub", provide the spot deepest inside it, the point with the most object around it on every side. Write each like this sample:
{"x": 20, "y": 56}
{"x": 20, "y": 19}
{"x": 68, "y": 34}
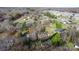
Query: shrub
{"x": 22, "y": 28}
{"x": 50, "y": 15}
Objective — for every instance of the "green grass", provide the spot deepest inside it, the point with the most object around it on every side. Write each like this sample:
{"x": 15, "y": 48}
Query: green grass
{"x": 57, "y": 24}
{"x": 56, "y": 39}
{"x": 70, "y": 45}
